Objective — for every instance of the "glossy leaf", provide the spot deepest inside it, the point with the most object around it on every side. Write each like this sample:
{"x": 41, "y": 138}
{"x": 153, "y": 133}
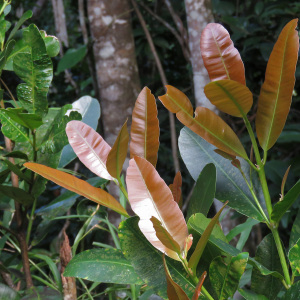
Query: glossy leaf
{"x": 52, "y": 44}
{"x": 267, "y": 255}
{"x": 175, "y": 292}
{"x": 147, "y": 261}
{"x": 221, "y": 59}
{"x": 276, "y": 93}
{"x": 89, "y": 108}
{"x": 118, "y": 153}
{"x": 206, "y": 123}
{"x": 164, "y": 236}
{"x": 199, "y": 286}
{"x": 230, "y": 97}
{"x": 194, "y": 260}
{"x": 102, "y": 265}
{"x": 197, "y": 153}
{"x": 250, "y": 295}
{"x": 293, "y": 292}
{"x": 36, "y": 70}
{"x": 197, "y": 225}
{"x": 294, "y": 258}
{"x": 204, "y": 192}
{"x": 175, "y": 188}
{"x": 225, "y": 274}
{"x": 150, "y": 196}
{"x": 282, "y": 206}
{"x": 295, "y": 232}
{"x": 145, "y": 128}
{"x": 78, "y": 186}
{"x": 90, "y": 147}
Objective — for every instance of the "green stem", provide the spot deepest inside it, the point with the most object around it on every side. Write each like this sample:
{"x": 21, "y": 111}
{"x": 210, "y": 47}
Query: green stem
{"x": 282, "y": 257}
{"x": 5, "y": 3}
{"x": 133, "y": 291}
{"x": 31, "y": 220}
{"x": 86, "y": 288}
{"x": 122, "y": 188}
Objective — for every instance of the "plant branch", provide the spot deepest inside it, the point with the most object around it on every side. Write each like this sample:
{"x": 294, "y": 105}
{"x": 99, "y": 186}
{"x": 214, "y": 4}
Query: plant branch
{"x": 164, "y": 82}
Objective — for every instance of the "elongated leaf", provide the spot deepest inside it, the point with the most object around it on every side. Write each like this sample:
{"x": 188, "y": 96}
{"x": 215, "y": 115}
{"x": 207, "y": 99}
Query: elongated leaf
{"x": 145, "y": 128}
{"x": 267, "y": 255}
{"x": 230, "y": 97}
{"x": 150, "y": 196}
{"x": 204, "y": 192}
{"x": 295, "y": 232}
{"x": 147, "y": 261}
{"x": 250, "y": 295}
{"x": 175, "y": 188}
{"x": 118, "y": 153}
{"x": 17, "y": 194}
{"x": 225, "y": 274}
{"x": 78, "y": 186}
{"x": 174, "y": 290}
{"x": 27, "y": 15}
{"x": 206, "y": 123}
{"x": 196, "y": 153}
{"x": 294, "y": 258}
{"x": 282, "y": 206}
{"x": 164, "y": 236}
{"x": 284, "y": 181}
{"x": 194, "y": 260}
{"x": 102, "y": 265}
{"x": 37, "y": 72}
{"x": 89, "y": 108}
{"x": 90, "y": 147}
{"x": 199, "y": 286}
{"x": 14, "y": 168}
{"x": 221, "y": 59}
{"x": 276, "y": 93}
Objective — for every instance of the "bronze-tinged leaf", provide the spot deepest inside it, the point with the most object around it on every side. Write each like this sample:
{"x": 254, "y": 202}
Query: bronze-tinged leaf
{"x": 221, "y": 59}
{"x": 175, "y": 188}
{"x": 118, "y": 153}
{"x": 164, "y": 236}
{"x": 206, "y": 123}
{"x": 284, "y": 181}
{"x": 230, "y": 97}
{"x": 175, "y": 292}
{"x": 145, "y": 128}
{"x": 78, "y": 186}
{"x": 276, "y": 93}
{"x": 199, "y": 286}
{"x": 90, "y": 147}
{"x": 149, "y": 196}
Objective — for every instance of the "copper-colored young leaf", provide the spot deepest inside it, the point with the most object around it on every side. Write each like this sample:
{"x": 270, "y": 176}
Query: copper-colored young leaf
{"x": 199, "y": 286}
{"x": 118, "y": 153}
{"x": 78, "y": 186}
{"x": 284, "y": 181}
{"x": 206, "y": 123}
{"x": 221, "y": 59}
{"x": 164, "y": 236}
{"x": 150, "y": 196}
{"x": 90, "y": 147}
{"x": 230, "y": 97}
{"x": 276, "y": 93}
{"x": 225, "y": 155}
{"x": 145, "y": 128}
{"x": 175, "y": 188}
{"x": 175, "y": 292}
{"x": 194, "y": 260}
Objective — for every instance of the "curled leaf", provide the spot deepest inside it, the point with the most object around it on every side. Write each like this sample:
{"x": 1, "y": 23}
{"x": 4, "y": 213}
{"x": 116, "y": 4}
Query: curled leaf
{"x": 175, "y": 188}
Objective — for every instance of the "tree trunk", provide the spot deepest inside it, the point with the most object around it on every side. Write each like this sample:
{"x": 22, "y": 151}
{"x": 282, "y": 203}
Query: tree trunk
{"x": 199, "y": 14}
{"x": 117, "y": 72}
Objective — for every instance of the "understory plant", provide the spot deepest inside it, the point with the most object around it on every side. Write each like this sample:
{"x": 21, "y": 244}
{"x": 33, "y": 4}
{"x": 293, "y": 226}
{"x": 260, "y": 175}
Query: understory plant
{"x": 159, "y": 250}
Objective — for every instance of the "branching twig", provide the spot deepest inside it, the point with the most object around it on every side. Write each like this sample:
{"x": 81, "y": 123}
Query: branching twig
{"x": 164, "y": 82}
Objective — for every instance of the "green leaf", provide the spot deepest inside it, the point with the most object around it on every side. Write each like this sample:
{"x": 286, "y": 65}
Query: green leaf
{"x": 250, "y": 295}
{"x": 27, "y": 15}
{"x": 71, "y": 58}
{"x": 17, "y": 154}
{"x": 7, "y": 51}
{"x": 31, "y": 121}
{"x": 52, "y": 44}
{"x": 147, "y": 261}
{"x": 102, "y": 265}
{"x": 196, "y": 153}
{"x": 282, "y": 206}
{"x": 36, "y": 70}
{"x": 197, "y": 226}
{"x": 89, "y": 108}
{"x": 225, "y": 274}
{"x": 12, "y": 129}
{"x": 293, "y": 292}
{"x": 295, "y": 232}
{"x": 17, "y": 194}
{"x": 8, "y": 293}
{"x": 56, "y": 138}
{"x": 267, "y": 255}
{"x": 204, "y": 192}
{"x": 294, "y": 258}
{"x": 14, "y": 168}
